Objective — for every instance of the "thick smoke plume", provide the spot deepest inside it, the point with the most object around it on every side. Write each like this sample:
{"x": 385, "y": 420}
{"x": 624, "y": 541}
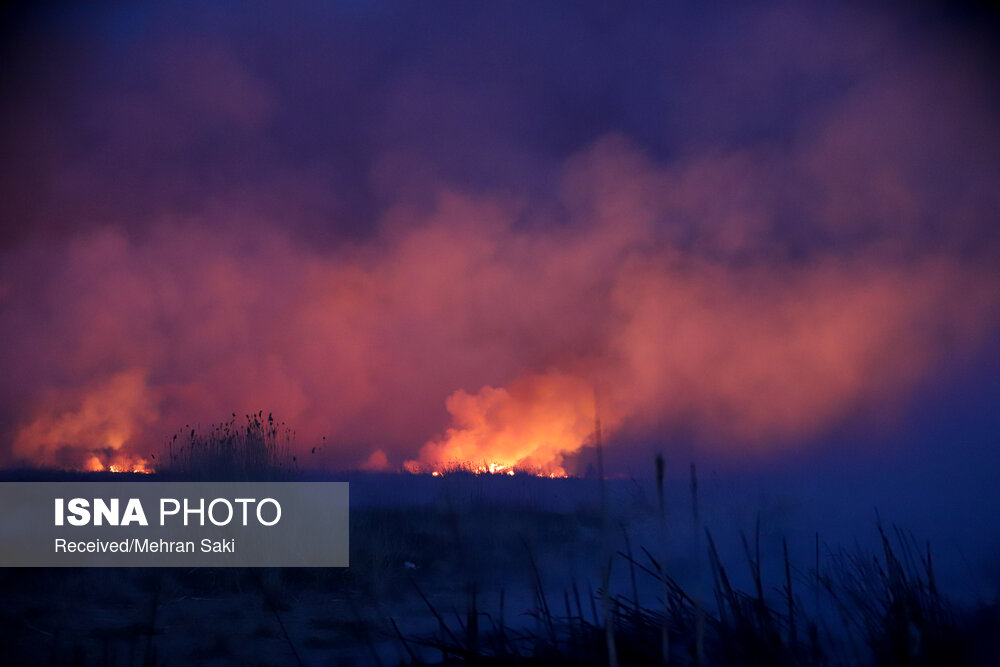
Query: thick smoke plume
{"x": 751, "y": 232}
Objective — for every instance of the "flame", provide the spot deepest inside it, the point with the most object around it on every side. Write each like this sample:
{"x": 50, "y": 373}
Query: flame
{"x": 103, "y": 420}
{"x": 135, "y": 468}
{"x": 119, "y": 463}
{"x": 527, "y": 427}
{"x": 488, "y": 469}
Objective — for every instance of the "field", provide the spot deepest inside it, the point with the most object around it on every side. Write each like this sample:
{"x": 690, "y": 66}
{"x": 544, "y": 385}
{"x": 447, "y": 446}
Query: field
{"x": 512, "y": 570}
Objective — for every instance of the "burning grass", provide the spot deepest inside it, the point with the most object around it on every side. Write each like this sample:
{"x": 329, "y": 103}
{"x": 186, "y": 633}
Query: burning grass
{"x": 487, "y": 468}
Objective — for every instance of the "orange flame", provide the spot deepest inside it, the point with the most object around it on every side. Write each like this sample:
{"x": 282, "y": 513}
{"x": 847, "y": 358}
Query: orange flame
{"x": 137, "y": 466}
{"x": 102, "y": 421}
{"x": 120, "y": 464}
{"x": 527, "y": 427}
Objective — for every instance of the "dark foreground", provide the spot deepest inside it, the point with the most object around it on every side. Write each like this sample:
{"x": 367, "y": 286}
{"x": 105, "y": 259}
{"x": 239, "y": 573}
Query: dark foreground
{"x": 514, "y": 571}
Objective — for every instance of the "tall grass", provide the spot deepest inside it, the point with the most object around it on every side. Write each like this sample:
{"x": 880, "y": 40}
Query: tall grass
{"x": 892, "y": 615}
{"x": 880, "y": 608}
{"x": 412, "y": 594}
{"x": 256, "y": 449}
{"x": 893, "y": 604}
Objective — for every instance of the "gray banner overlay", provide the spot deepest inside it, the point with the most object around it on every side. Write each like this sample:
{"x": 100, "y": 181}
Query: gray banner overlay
{"x": 229, "y": 524}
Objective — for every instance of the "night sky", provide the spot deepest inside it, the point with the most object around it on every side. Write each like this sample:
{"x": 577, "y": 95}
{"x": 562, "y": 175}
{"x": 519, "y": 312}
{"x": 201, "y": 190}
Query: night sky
{"x": 438, "y": 232}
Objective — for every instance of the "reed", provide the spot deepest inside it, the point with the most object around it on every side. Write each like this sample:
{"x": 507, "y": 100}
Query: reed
{"x": 256, "y": 449}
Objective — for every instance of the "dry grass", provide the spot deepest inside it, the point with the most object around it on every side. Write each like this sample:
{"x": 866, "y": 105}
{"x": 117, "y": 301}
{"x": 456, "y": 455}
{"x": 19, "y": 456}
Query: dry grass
{"x": 256, "y": 450}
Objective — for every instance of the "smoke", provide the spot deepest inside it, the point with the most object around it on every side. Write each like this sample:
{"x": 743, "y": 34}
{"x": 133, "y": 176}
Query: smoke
{"x": 453, "y": 265}
{"x": 103, "y": 420}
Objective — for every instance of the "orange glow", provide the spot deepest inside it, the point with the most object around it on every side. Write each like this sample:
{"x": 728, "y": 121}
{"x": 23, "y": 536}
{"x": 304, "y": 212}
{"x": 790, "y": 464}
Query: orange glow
{"x": 130, "y": 465}
{"x": 527, "y": 427}
{"x": 486, "y": 469}
{"x": 377, "y": 462}
{"x": 108, "y": 415}
{"x": 510, "y": 327}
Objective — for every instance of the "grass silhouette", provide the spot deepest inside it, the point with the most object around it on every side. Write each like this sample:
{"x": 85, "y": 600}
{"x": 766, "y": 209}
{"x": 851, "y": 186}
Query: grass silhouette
{"x": 257, "y": 449}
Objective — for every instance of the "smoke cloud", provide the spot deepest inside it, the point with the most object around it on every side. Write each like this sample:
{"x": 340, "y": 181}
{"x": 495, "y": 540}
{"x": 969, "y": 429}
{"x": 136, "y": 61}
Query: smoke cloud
{"x": 446, "y": 239}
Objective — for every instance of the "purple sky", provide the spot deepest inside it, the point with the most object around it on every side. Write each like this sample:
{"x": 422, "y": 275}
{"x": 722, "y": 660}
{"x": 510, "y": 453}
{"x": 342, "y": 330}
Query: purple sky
{"x": 430, "y": 232}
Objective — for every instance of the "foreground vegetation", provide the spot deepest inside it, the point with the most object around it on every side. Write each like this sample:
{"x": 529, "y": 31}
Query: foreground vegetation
{"x": 478, "y": 570}
{"x": 489, "y": 585}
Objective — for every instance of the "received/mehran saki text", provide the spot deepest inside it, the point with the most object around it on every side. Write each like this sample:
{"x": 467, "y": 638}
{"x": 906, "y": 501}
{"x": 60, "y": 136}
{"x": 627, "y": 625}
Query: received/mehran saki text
{"x": 144, "y": 545}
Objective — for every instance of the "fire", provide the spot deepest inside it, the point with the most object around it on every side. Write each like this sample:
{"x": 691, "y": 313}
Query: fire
{"x": 494, "y": 468}
{"x": 120, "y": 464}
{"x": 99, "y": 425}
{"x": 491, "y": 469}
{"x": 136, "y": 467}
{"x": 525, "y": 428}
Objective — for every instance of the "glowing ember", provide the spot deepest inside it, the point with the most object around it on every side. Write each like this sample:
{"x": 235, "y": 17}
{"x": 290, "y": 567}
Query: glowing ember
{"x": 138, "y": 468}
{"x": 488, "y": 468}
{"x": 136, "y": 465}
